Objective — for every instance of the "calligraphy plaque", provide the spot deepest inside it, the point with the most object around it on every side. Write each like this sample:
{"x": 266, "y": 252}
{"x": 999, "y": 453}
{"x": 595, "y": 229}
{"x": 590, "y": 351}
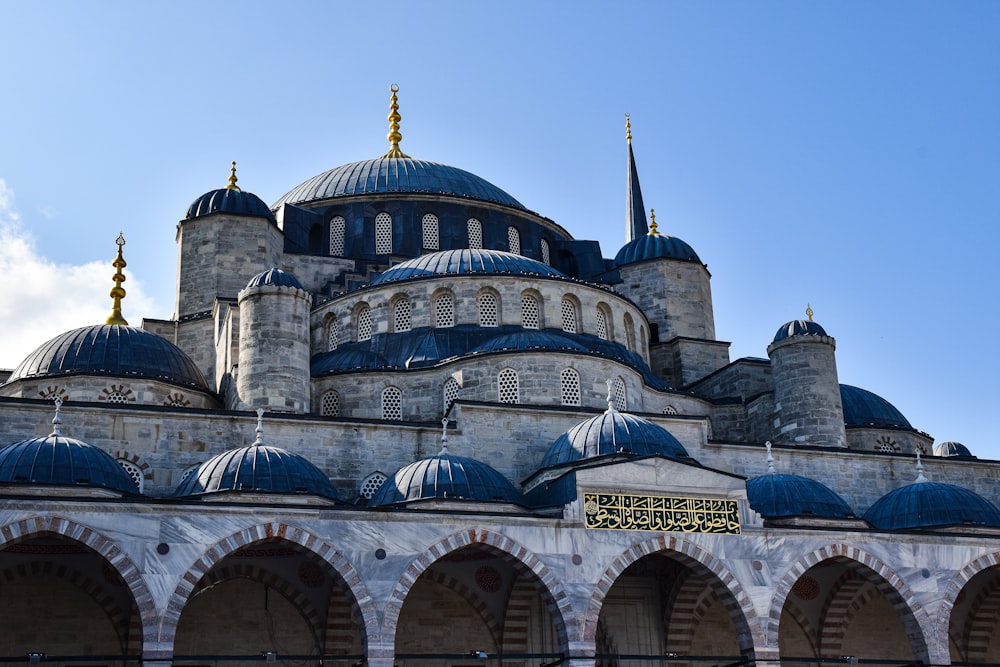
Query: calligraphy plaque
{"x": 620, "y": 511}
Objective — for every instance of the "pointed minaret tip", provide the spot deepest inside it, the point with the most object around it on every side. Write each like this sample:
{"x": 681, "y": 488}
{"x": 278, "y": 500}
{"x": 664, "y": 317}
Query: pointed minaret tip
{"x": 635, "y": 211}
{"x": 394, "y": 136}
{"x": 118, "y": 292}
{"x": 232, "y": 179}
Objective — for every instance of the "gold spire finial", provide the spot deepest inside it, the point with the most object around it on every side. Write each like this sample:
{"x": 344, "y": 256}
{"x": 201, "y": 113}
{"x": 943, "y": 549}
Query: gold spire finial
{"x": 652, "y": 225}
{"x": 117, "y": 292}
{"x": 809, "y": 312}
{"x": 232, "y": 179}
{"x": 394, "y": 136}
{"x": 628, "y": 128}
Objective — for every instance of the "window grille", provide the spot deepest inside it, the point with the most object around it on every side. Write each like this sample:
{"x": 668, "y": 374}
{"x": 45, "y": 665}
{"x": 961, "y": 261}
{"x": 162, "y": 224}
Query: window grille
{"x": 365, "y": 323}
{"x": 371, "y": 484}
{"x": 618, "y": 395}
{"x": 330, "y": 405}
{"x": 333, "y": 335}
{"x": 669, "y": 410}
{"x": 337, "y": 236}
{"x": 569, "y": 316}
{"x": 430, "y": 228}
{"x": 602, "y": 324}
{"x": 401, "y": 314}
{"x": 383, "y": 234}
{"x": 514, "y": 240}
{"x": 116, "y": 396}
{"x": 507, "y": 386}
{"x": 475, "y": 234}
{"x": 444, "y": 310}
{"x": 546, "y": 256}
{"x": 569, "y": 383}
{"x": 529, "y": 311}
{"x": 450, "y": 392}
{"x": 134, "y": 471}
{"x": 488, "y": 311}
{"x": 392, "y": 404}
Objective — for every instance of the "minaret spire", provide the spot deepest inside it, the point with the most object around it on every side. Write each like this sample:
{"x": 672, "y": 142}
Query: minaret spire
{"x": 394, "y": 136}
{"x": 118, "y": 292}
{"x": 635, "y": 212}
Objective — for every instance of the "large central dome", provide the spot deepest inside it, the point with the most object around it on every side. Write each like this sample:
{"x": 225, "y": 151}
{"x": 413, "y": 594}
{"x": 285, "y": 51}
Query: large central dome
{"x": 395, "y": 175}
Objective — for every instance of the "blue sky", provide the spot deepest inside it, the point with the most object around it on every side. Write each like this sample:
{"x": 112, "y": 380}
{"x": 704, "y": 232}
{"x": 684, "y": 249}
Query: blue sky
{"x": 842, "y": 154}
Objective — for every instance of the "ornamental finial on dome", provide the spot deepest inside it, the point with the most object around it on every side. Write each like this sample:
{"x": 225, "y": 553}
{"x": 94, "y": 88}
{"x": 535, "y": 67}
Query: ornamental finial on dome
{"x": 920, "y": 470}
{"x": 628, "y": 128}
{"x": 611, "y": 399}
{"x": 653, "y": 231}
{"x": 260, "y": 428}
{"x": 809, "y": 312}
{"x": 771, "y": 470}
{"x": 232, "y": 179}
{"x": 394, "y": 136}
{"x": 118, "y": 292}
{"x": 444, "y": 437}
{"x": 56, "y": 419}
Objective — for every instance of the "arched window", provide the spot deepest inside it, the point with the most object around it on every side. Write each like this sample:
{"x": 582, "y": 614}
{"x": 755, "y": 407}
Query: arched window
{"x": 364, "y": 320}
{"x": 383, "y": 234}
{"x": 401, "y": 314}
{"x": 602, "y": 324}
{"x": 569, "y": 385}
{"x": 618, "y": 396}
{"x": 134, "y": 471}
{"x": 430, "y": 228}
{"x": 475, "y": 234}
{"x": 371, "y": 484}
{"x": 449, "y": 393}
{"x": 333, "y": 335}
{"x": 669, "y": 410}
{"x": 546, "y": 254}
{"x": 488, "y": 310}
{"x": 629, "y": 332}
{"x": 642, "y": 340}
{"x": 568, "y": 309}
{"x": 513, "y": 240}
{"x": 337, "y": 236}
{"x": 330, "y": 404}
{"x": 507, "y": 386}
{"x": 444, "y": 310}
{"x": 529, "y": 311}
{"x": 392, "y": 404}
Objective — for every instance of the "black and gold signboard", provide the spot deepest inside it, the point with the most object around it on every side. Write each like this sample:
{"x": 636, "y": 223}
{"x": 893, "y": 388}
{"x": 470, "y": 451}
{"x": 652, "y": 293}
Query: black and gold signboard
{"x": 619, "y": 511}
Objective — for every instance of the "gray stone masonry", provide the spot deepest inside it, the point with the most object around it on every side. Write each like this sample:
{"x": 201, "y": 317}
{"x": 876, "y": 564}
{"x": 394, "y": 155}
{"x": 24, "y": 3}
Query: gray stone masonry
{"x": 807, "y": 403}
{"x": 675, "y": 295}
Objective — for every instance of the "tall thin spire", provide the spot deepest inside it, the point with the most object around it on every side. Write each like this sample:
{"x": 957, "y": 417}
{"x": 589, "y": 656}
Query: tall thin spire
{"x": 635, "y": 212}
{"x": 394, "y": 136}
{"x": 118, "y": 292}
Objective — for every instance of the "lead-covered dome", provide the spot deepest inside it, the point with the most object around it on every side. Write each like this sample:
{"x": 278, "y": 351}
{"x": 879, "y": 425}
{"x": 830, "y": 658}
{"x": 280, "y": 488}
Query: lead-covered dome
{"x": 60, "y": 461}
{"x": 396, "y": 175}
{"x": 465, "y": 261}
{"x": 613, "y": 432}
{"x": 865, "y": 408}
{"x": 777, "y": 495}
{"x": 114, "y": 350}
{"x": 799, "y": 328}
{"x": 257, "y": 468}
{"x": 951, "y": 448}
{"x": 274, "y": 278}
{"x": 445, "y": 476}
{"x": 655, "y": 246}
{"x": 229, "y": 200}
{"x": 926, "y": 504}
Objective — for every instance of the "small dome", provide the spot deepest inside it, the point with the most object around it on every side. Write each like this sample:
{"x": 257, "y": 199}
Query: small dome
{"x": 610, "y": 433}
{"x": 779, "y": 495}
{"x": 655, "y": 246}
{"x": 60, "y": 461}
{"x": 275, "y": 278}
{"x": 799, "y": 328}
{"x": 864, "y": 408}
{"x": 257, "y": 468}
{"x": 231, "y": 201}
{"x": 113, "y": 350}
{"x": 952, "y": 449}
{"x": 529, "y": 340}
{"x": 446, "y": 477}
{"x": 931, "y": 505}
{"x": 396, "y": 175}
{"x": 466, "y": 261}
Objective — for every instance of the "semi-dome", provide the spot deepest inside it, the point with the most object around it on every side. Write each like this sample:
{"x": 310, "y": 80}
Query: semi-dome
{"x": 610, "y": 433}
{"x": 274, "y": 278}
{"x": 229, "y": 200}
{"x": 386, "y": 175}
{"x": 655, "y": 246}
{"x": 777, "y": 495}
{"x": 114, "y": 350}
{"x": 926, "y": 504}
{"x": 60, "y": 461}
{"x": 799, "y": 328}
{"x": 864, "y": 408}
{"x": 445, "y": 476}
{"x": 257, "y": 468}
{"x": 465, "y": 261}
{"x": 950, "y": 448}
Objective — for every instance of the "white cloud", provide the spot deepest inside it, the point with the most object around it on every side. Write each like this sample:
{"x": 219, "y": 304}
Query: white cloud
{"x": 43, "y": 298}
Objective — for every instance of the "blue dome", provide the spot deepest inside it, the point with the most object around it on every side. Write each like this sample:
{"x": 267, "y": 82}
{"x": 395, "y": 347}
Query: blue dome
{"x": 863, "y": 408}
{"x": 930, "y": 505}
{"x": 655, "y": 246}
{"x": 529, "y": 340}
{"x": 799, "y": 328}
{"x": 455, "y": 262}
{"x": 952, "y": 449}
{"x": 393, "y": 175}
{"x": 791, "y": 495}
{"x": 258, "y": 468}
{"x": 610, "y": 433}
{"x": 114, "y": 350}
{"x": 275, "y": 278}
{"x": 446, "y": 476}
{"x": 60, "y": 461}
{"x": 231, "y": 201}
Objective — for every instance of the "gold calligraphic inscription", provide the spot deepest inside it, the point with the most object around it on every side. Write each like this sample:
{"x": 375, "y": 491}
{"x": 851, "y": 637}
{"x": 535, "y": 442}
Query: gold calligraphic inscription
{"x": 618, "y": 511}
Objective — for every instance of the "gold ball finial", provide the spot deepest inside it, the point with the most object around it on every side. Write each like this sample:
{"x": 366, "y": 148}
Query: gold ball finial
{"x": 232, "y": 179}
{"x": 809, "y": 312}
{"x": 394, "y": 136}
{"x": 118, "y": 292}
{"x": 652, "y": 225}
{"x": 628, "y": 128}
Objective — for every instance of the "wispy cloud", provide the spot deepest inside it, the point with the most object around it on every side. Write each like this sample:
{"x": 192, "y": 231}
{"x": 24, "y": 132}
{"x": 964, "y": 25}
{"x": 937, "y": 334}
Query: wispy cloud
{"x": 43, "y": 298}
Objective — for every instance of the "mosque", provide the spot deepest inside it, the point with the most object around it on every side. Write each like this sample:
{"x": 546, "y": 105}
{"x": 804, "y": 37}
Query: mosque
{"x": 400, "y": 419}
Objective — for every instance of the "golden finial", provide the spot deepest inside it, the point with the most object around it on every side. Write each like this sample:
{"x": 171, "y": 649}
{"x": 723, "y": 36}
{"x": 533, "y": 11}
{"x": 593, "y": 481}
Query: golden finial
{"x": 652, "y": 224}
{"x": 394, "y": 136}
{"x": 232, "y": 179}
{"x": 628, "y": 129}
{"x": 809, "y": 312}
{"x": 117, "y": 292}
